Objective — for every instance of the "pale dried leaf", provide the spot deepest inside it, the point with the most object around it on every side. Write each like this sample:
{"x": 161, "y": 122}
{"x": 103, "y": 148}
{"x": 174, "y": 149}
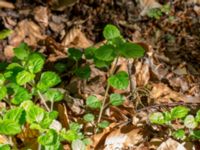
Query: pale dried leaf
{"x": 172, "y": 145}
{"x": 41, "y": 15}
{"x": 8, "y": 52}
{"x": 146, "y": 5}
{"x": 118, "y": 140}
{"x": 76, "y": 38}
{"x": 5, "y": 4}
{"x": 142, "y": 73}
{"x": 26, "y": 31}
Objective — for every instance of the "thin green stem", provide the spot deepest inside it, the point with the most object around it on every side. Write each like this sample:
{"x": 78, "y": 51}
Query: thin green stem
{"x": 43, "y": 100}
{"x": 106, "y": 92}
{"x": 52, "y": 103}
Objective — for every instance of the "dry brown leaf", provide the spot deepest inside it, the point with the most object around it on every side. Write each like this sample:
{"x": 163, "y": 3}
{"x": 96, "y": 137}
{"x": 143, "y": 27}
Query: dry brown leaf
{"x": 162, "y": 93}
{"x": 41, "y": 15}
{"x": 3, "y": 139}
{"x": 119, "y": 140}
{"x": 97, "y": 139}
{"x": 142, "y": 73}
{"x": 171, "y": 144}
{"x": 5, "y": 4}
{"x": 76, "y": 38}
{"x": 8, "y": 52}
{"x": 146, "y": 5}
{"x": 26, "y": 31}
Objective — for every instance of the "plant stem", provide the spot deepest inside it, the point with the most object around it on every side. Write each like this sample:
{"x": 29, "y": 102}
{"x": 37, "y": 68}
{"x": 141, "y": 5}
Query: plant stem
{"x": 43, "y": 100}
{"x": 132, "y": 87}
{"x": 106, "y": 92}
{"x": 52, "y": 102}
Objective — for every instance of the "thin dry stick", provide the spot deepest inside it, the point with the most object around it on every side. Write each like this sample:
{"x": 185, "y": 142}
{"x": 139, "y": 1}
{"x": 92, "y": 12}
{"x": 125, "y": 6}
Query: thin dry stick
{"x": 43, "y": 101}
{"x": 129, "y": 66}
{"x": 106, "y": 92}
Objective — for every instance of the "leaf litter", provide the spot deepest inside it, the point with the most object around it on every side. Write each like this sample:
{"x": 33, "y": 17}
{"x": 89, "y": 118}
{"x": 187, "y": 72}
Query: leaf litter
{"x": 167, "y": 75}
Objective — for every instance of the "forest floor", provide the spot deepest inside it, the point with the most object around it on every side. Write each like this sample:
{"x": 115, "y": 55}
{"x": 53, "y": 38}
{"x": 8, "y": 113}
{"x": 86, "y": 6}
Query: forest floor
{"x": 167, "y": 76}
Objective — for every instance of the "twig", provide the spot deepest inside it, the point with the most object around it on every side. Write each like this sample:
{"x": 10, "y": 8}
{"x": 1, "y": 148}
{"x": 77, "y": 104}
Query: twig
{"x": 132, "y": 87}
{"x": 106, "y": 92}
{"x": 167, "y": 104}
{"x": 43, "y": 101}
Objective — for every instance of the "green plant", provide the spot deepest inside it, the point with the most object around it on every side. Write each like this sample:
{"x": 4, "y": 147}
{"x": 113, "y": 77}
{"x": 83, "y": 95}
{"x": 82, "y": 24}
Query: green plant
{"x": 30, "y": 92}
{"x": 179, "y": 115}
{"x": 21, "y": 84}
{"x": 156, "y": 13}
{"x": 105, "y": 55}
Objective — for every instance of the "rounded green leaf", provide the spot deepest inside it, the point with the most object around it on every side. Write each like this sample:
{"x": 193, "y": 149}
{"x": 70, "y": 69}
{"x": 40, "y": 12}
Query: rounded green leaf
{"x": 48, "y": 79}
{"x": 35, "y": 62}
{"x": 54, "y": 95}
{"x": 3, "y": 92}
{"x": 34, "y": 114}
{"x": 111, "y": 32}
{"x": 103, "y": 124}
{"x": 78, "y": 145}
{"x": 48, "y": 138}
{"x": 101, "y": 64}
{"x": 179, "y": 112}
{"x": 4, "y": 147}
{"x": 93, "y": 102}
{"x": 179, "y": 134}
{"x": 75, "y": 54}
{"x": 89, "y": 52}
{"x": 69, "y": 135}
{"x": 157, "y": 118}
{"x": 23, "y": 77}
{"x": 131, "y": 50}
{"x": 5, "y": 33}
{"x": 83, "y": 72}
{"x": 195, "y": 134}
{"x": 119, "y": 80}
{"x": 2, "y": 79}
{"x": 88, "y": 117}
{"x": 60, "y": 67}
{"x": 20, "y": 94}
{"x": 15, "y": 114}
{"x": 116, "y": 99}
{"x": 9, "y": 127}
{"x": 105, "y": 53}
{"x": 22, "y": 51}
{"x": 48, "y": 119}
{"x": 190, "y": 122}
{"x": 198, "y": 116}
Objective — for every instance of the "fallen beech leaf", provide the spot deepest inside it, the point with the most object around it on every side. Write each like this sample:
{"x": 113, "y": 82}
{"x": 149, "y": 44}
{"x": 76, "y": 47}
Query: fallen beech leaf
{"x": 142, "y": 73}
{"x": 26, "y": 31}
{"x": 172, "y": 145}
{"x": 41, "y": 15}
{"x": 8, "y": 52}
{"x": 76, "y": 38}
{"x": 146, "y": 5}
{"x": 119, "y": 140}
{"x": 4, "y": 4}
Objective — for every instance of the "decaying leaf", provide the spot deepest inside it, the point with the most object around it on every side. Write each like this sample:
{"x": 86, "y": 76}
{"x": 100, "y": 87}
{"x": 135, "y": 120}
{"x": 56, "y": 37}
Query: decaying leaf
{"x": 41, "y": 15}
{"x": 76, "y": 38}
{"x": 146, "y": 5}
{"x": 172, "y": 145}
{"x": 26, "y": 31}
{"x": 118, "y": 140}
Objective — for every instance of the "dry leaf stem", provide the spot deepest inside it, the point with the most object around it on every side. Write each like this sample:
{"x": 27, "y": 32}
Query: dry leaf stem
{"x": 107, "y": 90}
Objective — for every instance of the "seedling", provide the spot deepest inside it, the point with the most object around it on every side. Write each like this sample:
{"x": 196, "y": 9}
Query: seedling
{"x": 30, "y": 92}
{"x": 180, "y": 115}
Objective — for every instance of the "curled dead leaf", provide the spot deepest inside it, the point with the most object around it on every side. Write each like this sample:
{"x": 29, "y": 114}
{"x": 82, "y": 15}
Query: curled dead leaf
{"x": 76, "y": 38}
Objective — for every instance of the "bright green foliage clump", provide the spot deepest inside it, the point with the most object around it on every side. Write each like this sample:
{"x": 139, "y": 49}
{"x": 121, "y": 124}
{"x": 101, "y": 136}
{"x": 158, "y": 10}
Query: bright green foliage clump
{"x": 159, "y": 12}
{"x": 23, "y": 82}
{"x": 178, "y": 114}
